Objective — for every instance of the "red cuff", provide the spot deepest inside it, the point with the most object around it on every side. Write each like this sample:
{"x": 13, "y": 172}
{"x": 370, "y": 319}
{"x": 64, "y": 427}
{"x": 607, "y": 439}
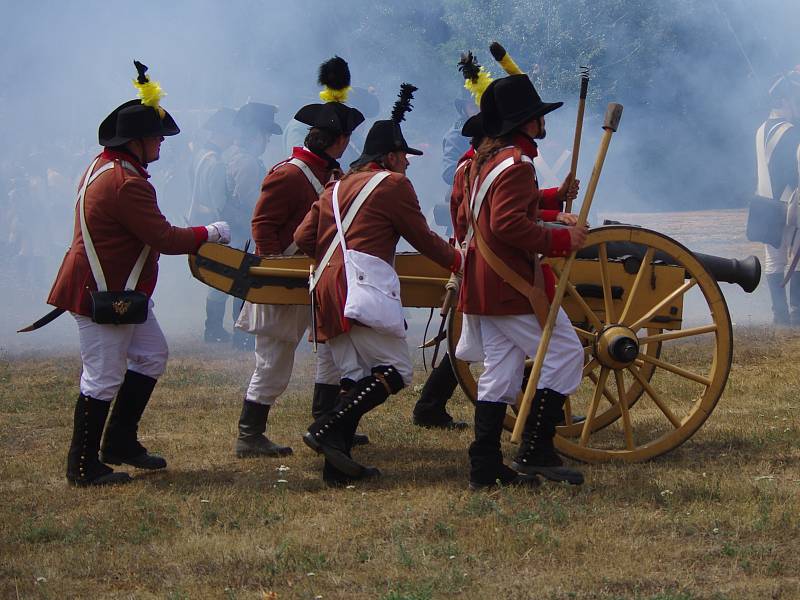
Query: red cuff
{"x": 559, "y": 242}
{"x": 200, "y": 235}
{"x": 548, "y": 199}
{"x": 549, "y": 216}
{"x": 456, "y": 266}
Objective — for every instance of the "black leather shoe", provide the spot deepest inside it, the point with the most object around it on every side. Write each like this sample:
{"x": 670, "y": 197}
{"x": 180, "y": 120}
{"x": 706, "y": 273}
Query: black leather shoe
{"x": 147, "y": 461}
{"x": 441, "y": 422}
{"x": 360, "y": 439}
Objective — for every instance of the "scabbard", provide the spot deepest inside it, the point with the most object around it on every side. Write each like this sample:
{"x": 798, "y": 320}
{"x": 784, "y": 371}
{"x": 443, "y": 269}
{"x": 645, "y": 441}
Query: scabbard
{"x": 51, "y": 316}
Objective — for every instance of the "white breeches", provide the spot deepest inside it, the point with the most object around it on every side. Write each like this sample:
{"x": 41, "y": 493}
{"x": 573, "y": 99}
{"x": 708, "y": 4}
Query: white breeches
{"x": 107, "y": 351}
{"x": 274, "y": 364}
{"x": 362, "y": 348}
{"x": 503, "y": 343}
{"x": 777, "y": 259}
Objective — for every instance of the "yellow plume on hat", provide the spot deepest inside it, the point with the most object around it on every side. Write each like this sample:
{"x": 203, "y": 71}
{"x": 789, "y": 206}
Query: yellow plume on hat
{"x": 500, "y": 55}
{"x": 334, "y": 77}
{"x": 476, "y": 77}
{"x": 150, "y": 92}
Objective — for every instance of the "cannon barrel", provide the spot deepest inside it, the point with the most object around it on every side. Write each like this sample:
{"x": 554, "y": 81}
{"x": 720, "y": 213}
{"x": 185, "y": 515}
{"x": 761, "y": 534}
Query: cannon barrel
{"x": 746, "y": 273}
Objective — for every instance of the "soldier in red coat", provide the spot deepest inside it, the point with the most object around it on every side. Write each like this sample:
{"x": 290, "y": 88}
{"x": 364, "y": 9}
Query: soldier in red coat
{"x": 374, "y": 362}
{"x": 501, "y": 205}
{"x": 287, "y": 193}
{"x": 122, "y": 219}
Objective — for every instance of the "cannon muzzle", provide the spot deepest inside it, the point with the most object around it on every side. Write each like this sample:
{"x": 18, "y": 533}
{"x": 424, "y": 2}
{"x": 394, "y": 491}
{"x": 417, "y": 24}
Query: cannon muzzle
{"x": 746, "y": 273}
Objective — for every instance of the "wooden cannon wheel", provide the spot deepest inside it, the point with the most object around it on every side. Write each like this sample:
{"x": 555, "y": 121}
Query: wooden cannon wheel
{"x": 682, "y": 364}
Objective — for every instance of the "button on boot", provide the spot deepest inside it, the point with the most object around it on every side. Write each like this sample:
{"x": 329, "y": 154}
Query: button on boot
{"x": 83, "y": 466}
{"x": 537, "y": 454}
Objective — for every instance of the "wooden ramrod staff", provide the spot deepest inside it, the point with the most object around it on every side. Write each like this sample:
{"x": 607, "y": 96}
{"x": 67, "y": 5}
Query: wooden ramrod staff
{"x": 610, "y": 124}
{"x": 576, "y": 143}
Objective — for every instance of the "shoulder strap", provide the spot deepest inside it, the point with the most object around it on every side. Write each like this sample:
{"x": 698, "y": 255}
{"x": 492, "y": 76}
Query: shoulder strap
{"x": 479, "y": 193}
{"x": 312, "y": 179}
{"x": 91, "y": 254}
{"x": 766, "y": 142}
{"x": 346, "y": 222}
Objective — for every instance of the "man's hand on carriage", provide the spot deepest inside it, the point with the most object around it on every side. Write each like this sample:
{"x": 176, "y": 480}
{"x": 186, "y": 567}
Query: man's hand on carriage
{"x": 569, "y": 189}
{"x": 219, "y": 231}
{"x": 567, "y": 218}
{"x": 577, "y": 237}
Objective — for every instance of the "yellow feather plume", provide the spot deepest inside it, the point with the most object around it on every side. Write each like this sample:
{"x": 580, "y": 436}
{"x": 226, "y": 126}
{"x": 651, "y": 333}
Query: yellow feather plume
{"x": 150, "y": 94}
{"x": 328, "y": 94}
{"x": 476, "y": 88}
{"x": 509, "y": 66}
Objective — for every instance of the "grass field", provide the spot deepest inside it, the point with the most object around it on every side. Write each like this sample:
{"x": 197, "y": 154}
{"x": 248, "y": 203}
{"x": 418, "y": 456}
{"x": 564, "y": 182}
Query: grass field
{"x": 717, "y": 518}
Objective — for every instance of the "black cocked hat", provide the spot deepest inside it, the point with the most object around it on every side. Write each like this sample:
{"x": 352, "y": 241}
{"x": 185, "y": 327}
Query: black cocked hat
{"x": 386, "y": 136}
{"x": 221, "y": 121}
{"x": 257, "y": 115}
{"x": 139, "y": 118}
{"x": 510, "y": 102}
{"x": 133, "y": 120}
{"x": 334, "y": 115}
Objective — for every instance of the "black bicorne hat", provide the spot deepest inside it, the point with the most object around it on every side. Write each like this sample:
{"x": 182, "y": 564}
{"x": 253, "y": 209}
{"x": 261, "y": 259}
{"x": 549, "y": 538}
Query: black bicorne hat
{"x": 257, "y": 115}
{"x": 510, "y": 102}
{"x": 138, "y": 118}
{"x": 334, "y": 115}
{"x": 385, "y": 136}
{"x": 134, "y": 120}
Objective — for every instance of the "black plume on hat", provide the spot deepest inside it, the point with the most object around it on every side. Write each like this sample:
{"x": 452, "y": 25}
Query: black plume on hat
{"x": 334, "y": 73}
{"x": 403, "y": 103}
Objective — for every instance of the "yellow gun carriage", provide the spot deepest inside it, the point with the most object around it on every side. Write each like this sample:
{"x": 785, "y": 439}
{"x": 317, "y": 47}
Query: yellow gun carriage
{"x": 653, "y": 320}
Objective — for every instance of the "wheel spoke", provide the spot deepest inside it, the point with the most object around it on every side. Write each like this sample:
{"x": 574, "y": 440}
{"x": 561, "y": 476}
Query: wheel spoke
{"x": 606, "y": 392}
{"x": 584, "y": 334}
{"x": 587, "y": 310}
{"x": 640, "y": 275}
{"x": 598, "y": 391}
{"x": 655, "y": 397}
{"x": 669, "y": 298}
{"x": 608, "y": 301}
{"x": 623, "y": 406}
{"x": 567, "y": 412}
{"x": 675, "y": 369}
{"x": 589, "y": 367}
{"x": 675, "y": 335}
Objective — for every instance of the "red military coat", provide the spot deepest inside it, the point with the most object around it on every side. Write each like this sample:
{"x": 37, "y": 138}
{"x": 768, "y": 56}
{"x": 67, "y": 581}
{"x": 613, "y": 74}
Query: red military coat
{"x": 392, "y": 211}
{"x": 286, "y": 197}
{"x": 122, "y": 215}
{"x": 507, "y": 221}
{"x": 550, "y": 205}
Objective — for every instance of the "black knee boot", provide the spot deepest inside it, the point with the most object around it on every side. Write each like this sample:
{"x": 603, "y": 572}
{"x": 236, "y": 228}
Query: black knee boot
{"x": 430, "y": 410}
{"x": 537, "y": 455}
{"x": 120, "y": 443}
{"x": 332, "y": 434}
{"x": 215, "y": 315}
{"x": 777, "y": 293}
{"x": 83, "y": 466}
{"x": 486, "y": 467}
{"x": 325, "y": 398}
{"x": 251, "y": 440}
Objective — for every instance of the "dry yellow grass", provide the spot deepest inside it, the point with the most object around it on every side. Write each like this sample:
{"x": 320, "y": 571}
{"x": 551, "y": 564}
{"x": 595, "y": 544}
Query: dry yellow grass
{"x": 717, "y": 518}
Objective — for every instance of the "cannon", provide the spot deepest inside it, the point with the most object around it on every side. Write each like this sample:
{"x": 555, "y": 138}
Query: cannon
{"x": 663, "y": 369}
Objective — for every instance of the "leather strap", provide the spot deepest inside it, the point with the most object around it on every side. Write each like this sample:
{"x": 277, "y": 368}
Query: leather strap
{"x": 536, "y": 295}
{"x": 315, "y": 183}
{"x": 91, "y": 254}
{"x": 345, "y": 225}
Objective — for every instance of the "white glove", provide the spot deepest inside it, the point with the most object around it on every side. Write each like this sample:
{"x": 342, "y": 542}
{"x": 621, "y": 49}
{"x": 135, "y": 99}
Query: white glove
{"x": 220, "y": 232}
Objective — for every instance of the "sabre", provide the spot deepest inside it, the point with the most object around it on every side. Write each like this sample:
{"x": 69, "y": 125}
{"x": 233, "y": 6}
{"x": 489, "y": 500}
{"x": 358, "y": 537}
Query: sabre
{"x": 610, "y": 124}
{"x": 576, "y": 144}
{"x": 452, "y": 289}
{"x": 312, "y": 293}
